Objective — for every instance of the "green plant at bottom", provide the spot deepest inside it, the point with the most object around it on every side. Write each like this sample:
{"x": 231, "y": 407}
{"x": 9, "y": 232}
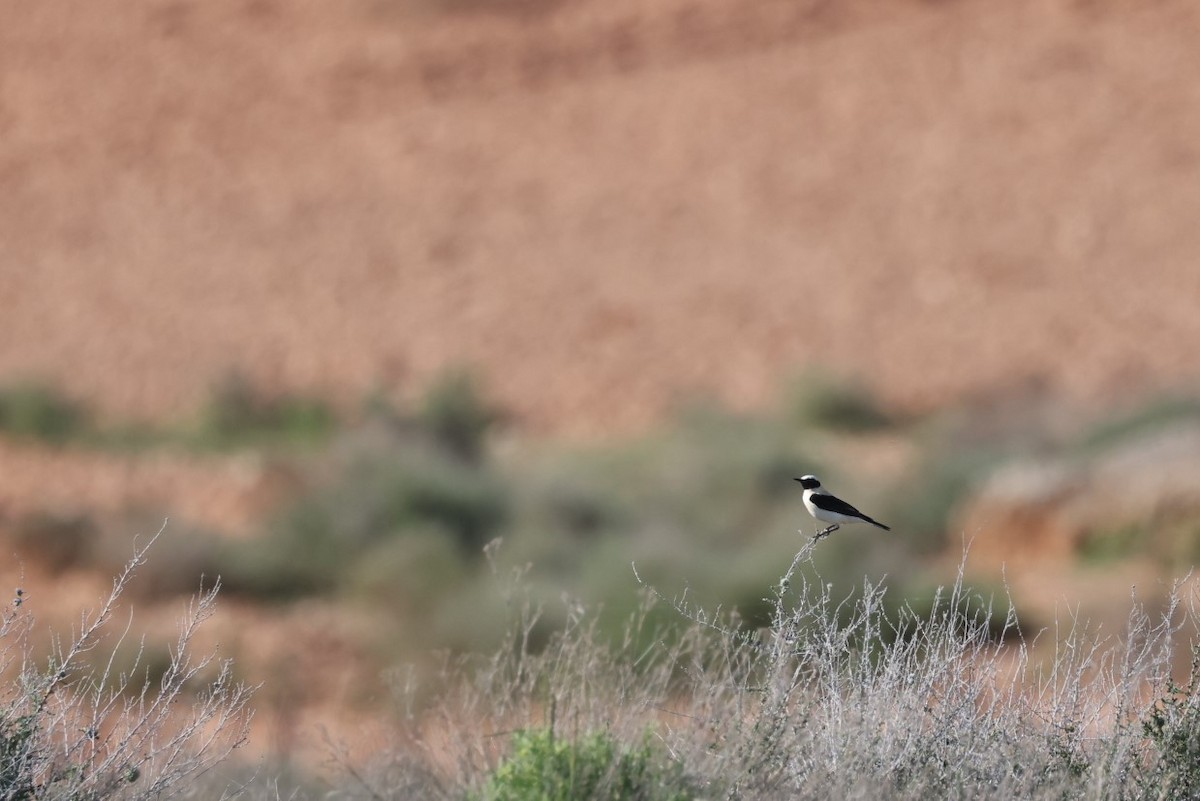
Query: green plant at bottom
{"x": 595, "y": 766}
{"x": 16, "y": 752}
{"x": 1173, "y": 728}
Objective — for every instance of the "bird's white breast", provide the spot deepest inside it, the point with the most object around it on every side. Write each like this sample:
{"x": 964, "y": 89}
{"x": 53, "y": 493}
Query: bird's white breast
{"x": 816, "y": 512}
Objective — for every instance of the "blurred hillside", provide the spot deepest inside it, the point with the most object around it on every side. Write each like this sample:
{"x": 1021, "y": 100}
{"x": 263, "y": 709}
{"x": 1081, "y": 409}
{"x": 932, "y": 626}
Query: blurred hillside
{"x": 601, "y": 206}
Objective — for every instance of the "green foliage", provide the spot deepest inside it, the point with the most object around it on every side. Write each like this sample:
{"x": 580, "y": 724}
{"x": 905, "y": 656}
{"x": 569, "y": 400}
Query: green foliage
{"x": 688, "y": 499}
{"x": 715, "y": 477}
{"x": 409, "y": 573}
{"x": 17, "y": 746}
{"x": 36, "y": 411}
{"x": 1172, "y": 726}
{"x": 820, "y": 401}
{"x": 1068, "y": 760}
{"x": 581, "y": 510}
{"x": 1172, "y": 541}
{"x": 1150, "y": 417}
{"x": 278, "y": 567}
{"x": 238, "y": 414}
{"x": 388, "y": 489}
{"x": 1185, "y": 536}
{"x": 595, "y": 767}
{"x": 1112, "y": 544}
{"x": 709, "y": 501}
{"x": 947, "y": 474}
{"x": 128, "y": 436}
{"x": 455, "y": 411}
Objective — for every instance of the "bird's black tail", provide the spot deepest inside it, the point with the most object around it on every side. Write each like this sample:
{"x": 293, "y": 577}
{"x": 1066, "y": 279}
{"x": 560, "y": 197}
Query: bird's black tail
{"x": 877, "y": 523}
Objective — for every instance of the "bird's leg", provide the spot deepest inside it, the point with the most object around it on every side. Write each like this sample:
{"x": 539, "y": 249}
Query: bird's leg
{"x": 823, "y": 534}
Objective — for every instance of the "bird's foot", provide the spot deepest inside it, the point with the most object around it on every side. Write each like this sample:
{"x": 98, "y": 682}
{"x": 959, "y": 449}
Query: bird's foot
{"x": 820, "y": 535}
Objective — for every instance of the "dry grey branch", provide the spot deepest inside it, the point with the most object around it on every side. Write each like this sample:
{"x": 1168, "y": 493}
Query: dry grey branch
{"x": 847, "y": 695}
{"x": 74, "y": 728}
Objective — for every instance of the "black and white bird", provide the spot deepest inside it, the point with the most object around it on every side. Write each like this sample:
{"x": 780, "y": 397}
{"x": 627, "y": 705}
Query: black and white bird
{"x": 830, "y": 508}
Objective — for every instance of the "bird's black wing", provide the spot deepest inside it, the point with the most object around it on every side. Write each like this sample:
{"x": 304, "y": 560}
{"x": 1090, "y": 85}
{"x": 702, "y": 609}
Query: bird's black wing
{"x": 830, "y": 503}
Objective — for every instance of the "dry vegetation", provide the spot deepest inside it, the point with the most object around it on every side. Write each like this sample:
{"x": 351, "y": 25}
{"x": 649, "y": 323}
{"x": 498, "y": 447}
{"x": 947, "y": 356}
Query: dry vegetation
{"x": 892, "y": 688}
{"x": 375, "y": 557}
{"x": 839, "y": 698}
{"x": 77, "y": 724}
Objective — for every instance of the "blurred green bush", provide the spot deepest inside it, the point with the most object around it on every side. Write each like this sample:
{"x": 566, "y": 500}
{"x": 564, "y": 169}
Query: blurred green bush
{"x": 37, "y": 411}
{"x": 1150, "y": 416}
{"x": 455, "y": 412}
{"x": 238, "y": 413}
{"x": 819, "y": 400}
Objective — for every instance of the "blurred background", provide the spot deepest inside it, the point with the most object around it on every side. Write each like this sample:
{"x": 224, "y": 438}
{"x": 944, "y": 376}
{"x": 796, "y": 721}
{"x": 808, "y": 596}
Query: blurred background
{"x": 349, "y": 290}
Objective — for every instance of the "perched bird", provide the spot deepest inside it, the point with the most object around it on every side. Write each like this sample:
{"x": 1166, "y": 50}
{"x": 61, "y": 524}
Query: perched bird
{"x": 830, "y": 508}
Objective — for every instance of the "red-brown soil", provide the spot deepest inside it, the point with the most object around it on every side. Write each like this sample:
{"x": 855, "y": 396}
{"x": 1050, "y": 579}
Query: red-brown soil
{"x": 601, "y": 206}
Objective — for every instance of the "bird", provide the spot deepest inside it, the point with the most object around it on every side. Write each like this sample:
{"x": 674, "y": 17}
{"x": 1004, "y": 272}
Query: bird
{"x": 831, "y": 509}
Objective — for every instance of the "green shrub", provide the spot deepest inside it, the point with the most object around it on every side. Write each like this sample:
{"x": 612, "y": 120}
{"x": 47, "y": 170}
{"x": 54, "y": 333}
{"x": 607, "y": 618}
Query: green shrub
{"x": 820, "y": 401}
{"x": 947, "y": 475}
{"x": 1112, "y": 544}
{"x": 37, "y": 411}
{"x": 238, "y": 413}
{"x": 279, "y": 567}
{"x": 595, "y": 767}
{"x": 1171, "y": 540}
{"x": 580, "y": 510}
{"x": 455, "y": 411}
{"x": 1172, "y": 726}
{"x": 132, "y": 436}
{"x": 714, "y": 474}
{"x": 410, "y": 573}
{"x": 1153, "y": 415}
{"x": 391, "y": 487}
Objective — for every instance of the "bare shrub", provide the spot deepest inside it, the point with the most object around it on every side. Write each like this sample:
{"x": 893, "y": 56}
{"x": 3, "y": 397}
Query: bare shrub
{"x": 842, "y": 697}
{"x": 76, "y": 727}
